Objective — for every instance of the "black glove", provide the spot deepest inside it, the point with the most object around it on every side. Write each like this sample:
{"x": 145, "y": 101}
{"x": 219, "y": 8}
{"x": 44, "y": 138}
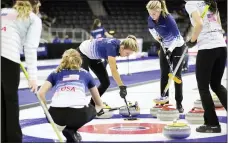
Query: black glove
{"x": 168, "y": 53}
{"x": 191, "y": 44}
{"x": 123, "y": 91}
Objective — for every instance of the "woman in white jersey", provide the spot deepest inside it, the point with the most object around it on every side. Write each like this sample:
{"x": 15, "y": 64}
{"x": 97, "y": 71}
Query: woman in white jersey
{"x": 21, "y": 27}
{"x": 70, "y": 106}
{"x": 211, "y": 59}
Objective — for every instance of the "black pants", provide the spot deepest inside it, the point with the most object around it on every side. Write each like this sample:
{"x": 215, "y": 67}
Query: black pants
{"x": 72, "y": 118}
{"x": 165, "y": 70}
{"x": 210, "y": 65}
{"x": 105, "y": 63}
{"x": 10, "y": 126}
{"x": 99, "y": 70}
{"x": 185, "y": 61}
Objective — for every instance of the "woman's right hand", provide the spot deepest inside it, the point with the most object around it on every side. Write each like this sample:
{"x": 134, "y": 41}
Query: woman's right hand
{"x": 33, "y": 85}
{"x": 99, "y": 110}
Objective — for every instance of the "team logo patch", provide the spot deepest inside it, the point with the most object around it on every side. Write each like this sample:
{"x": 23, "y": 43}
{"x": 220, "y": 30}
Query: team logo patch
{"x": 70, "y": 77}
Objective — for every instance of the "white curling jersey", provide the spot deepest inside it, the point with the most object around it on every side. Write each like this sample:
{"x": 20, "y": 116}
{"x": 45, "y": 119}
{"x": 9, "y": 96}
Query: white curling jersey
{"x": 211, "y": 35}
{"x": 18, "y": 33}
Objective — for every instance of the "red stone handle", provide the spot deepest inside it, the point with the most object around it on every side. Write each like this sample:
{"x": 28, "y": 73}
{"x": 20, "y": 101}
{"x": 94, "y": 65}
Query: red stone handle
{"x": 196, "y": 110}
{"x": 167, "y": 108}
{"x": 167, "y": 105}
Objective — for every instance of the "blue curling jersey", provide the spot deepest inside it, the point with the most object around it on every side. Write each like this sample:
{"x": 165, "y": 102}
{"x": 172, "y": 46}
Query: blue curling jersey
{"x": 100, "y": 48}
{"x": 70, "y": 87}
{"x": 167, "y": 29}
{"x": 98, "y": 33}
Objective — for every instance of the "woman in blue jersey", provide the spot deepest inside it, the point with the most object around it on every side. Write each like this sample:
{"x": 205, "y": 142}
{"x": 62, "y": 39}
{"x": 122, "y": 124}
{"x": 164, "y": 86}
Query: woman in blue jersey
{"x": 70, "y": 105}
{"x": 97, "y": 31}
{"x": 211, "y": 59}
{"x": 21, "y": 30}
{"x": 163, "y": 28}
{"x": 92, "y": 51}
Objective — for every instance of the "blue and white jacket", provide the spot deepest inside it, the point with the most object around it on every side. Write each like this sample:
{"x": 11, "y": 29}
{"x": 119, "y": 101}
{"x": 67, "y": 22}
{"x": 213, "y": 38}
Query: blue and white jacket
{"x": 167, "y": 30}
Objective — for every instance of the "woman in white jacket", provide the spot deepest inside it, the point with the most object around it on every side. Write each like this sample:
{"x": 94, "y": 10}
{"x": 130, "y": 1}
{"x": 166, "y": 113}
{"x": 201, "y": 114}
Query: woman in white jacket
{"x": 211, "y": 58}
{"x": 21, "y": 28}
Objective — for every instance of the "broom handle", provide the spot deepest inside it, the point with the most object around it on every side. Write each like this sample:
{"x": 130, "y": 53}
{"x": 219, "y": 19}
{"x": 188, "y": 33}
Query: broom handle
{"x": 44, "y": 108}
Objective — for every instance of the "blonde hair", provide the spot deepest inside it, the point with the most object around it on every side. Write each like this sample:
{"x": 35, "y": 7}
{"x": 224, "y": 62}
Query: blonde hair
{"x": 130, "y": 43}
{"x": 158, "y": 4}
{"x": 23, "y": 8}
{"x": 71, "y": 59}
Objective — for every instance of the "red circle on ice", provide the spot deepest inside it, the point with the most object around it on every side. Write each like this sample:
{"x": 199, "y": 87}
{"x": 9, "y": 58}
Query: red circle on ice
{"x": 123, "y": 128}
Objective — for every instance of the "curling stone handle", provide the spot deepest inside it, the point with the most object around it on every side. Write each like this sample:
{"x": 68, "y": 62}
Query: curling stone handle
{"x": 127, "y": 107}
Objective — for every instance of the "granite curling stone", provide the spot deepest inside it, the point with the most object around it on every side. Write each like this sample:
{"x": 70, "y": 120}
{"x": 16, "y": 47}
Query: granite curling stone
{"x": 154, "y": 110}
{"x": 167, "y": 113}
{"x": 134, "y": 110}
{"x": 195, "y": 116}
{"x": 177, "y": 130}
{"x": 216, "y": 101}
{"x": 198, "y": 104}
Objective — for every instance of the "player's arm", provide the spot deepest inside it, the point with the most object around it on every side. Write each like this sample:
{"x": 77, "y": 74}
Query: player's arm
{"x": 30, "y": 47}
{"x": 94, "y": 92}
{"x": 198, "y": 25}
{"x": 43, "y": 90}
{"x": 198, "y": 21}
{"x": 115, "y": 73}
{"x": 172, "y": 25}
{"x": 46, "y": 87}
{"x": 155, "y": 35}
{"x": 219, "y": 19}
{"x": 108, "y": 35}
{"x": 96, "y": 96}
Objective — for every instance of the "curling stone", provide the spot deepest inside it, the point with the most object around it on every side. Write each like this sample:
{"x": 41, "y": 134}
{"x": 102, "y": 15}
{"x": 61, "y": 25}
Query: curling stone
{"x": 106, "y": 115}
{"x": 154, "y": 110}
{"x": 135, "y": 111}
{"x": 177, "y": 130}
{"x": 216, "y": 101}
{"x": 195, "y": 116}
{"x": 167, "y": 113}
{"x": 198, "y": 104}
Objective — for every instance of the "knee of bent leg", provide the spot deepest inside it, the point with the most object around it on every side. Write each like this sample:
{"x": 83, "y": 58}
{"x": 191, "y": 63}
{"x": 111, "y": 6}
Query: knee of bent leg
{"x": 214, "y": 88}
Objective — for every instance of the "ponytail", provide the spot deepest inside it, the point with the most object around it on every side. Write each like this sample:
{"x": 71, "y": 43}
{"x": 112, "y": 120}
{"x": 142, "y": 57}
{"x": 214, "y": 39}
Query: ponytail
{"x": 165, "y": 11}
{"x": 212, "y": 4}
{"x": 23, "y": 8}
